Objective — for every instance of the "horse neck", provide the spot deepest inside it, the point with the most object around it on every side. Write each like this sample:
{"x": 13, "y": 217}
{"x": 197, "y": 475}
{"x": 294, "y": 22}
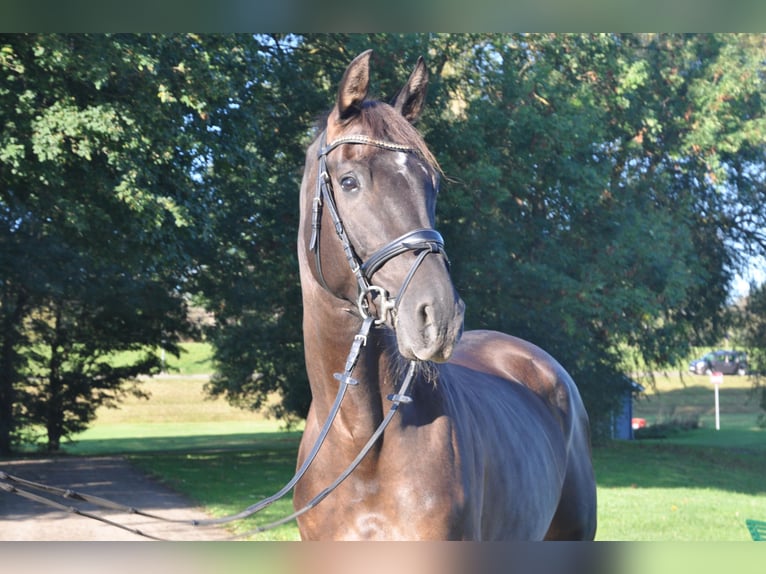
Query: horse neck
{"x": 329, "y": 328}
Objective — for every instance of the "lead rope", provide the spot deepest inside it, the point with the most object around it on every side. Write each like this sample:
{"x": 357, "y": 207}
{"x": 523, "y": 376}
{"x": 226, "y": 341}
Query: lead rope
{"x": 70, "y": 509}
{"x": 345, "y": 379}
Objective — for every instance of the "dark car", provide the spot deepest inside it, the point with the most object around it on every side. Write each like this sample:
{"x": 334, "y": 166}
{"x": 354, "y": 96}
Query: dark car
{"x": 726, "y": 362}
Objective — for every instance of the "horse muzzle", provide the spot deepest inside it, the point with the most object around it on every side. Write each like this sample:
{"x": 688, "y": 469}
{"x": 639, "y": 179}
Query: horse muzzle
{"x": 429, "y": 322}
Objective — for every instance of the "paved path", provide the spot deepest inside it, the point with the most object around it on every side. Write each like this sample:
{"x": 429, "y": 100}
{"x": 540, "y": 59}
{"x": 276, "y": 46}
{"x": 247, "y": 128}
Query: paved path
{"x": 108, "y": 477}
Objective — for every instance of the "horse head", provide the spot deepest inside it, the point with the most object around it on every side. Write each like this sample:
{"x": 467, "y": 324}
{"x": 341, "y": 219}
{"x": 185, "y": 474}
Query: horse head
{"x": 368, "y": 202}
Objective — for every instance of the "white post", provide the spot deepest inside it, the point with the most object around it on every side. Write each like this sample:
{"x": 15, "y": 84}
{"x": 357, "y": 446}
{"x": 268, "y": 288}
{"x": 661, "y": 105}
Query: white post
{"x": 716, "y": 378}
{"x": 717, "y": 412}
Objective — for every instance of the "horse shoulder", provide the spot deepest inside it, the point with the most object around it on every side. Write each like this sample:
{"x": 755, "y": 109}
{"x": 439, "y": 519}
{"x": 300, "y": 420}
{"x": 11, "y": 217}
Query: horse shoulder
{"x": 519, "y": 361}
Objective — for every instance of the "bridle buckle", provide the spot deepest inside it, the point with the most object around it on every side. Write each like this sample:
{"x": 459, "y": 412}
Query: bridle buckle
{"x": 384, "y": 304}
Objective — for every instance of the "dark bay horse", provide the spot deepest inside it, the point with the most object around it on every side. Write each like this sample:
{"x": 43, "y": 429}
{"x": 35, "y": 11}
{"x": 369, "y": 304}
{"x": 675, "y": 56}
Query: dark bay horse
{"x": 495, "y": 443}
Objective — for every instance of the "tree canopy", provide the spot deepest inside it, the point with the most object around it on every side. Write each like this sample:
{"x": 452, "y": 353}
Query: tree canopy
{"x": 101, "y": 211}
{"x": 601, "y": 192}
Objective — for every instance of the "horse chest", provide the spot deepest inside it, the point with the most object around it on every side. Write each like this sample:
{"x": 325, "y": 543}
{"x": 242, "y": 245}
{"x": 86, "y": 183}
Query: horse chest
{"x": 396, "y": 513}
{"x": 392, "y": 503}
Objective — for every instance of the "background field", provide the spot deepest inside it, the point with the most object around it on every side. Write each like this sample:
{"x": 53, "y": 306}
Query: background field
{"x": 693, "y": 485}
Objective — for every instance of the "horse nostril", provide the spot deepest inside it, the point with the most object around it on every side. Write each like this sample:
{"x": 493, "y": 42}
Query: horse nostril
{"x": 429, "y": 331}
{"x": 426, "y": 315}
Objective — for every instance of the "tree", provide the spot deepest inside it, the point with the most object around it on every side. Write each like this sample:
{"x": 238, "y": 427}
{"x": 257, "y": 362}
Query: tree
{"x": 592, "y": 172}
{"x": 752, "y": 336}
{"x": 248, "y": 272}
{"x": 592, "y": 154}
{"x": 614, "y": 183}
{"x": 102, "y": 210}
{"x": 76, "y": 332}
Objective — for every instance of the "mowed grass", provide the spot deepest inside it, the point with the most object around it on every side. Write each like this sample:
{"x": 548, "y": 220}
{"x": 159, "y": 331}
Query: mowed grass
{"x": 222, "y": 457}
{"x": 178, "y": 415}
{"x": 226, "y": 482}
{"x": 195, "y": 358}
{"x": 695, "y": 485}
{"x": 669, "y": 492}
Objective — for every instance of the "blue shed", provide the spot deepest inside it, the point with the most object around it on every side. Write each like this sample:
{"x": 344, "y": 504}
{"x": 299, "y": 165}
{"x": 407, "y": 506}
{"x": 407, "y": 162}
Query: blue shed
{"x": 622, "y": 420}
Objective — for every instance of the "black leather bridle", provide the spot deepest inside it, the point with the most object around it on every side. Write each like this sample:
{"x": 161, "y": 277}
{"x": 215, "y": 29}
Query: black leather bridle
{"x": 420, "y": 241}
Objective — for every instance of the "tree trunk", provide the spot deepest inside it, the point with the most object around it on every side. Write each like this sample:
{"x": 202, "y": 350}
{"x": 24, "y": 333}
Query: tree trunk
{"x": 54, "y": 422}
{"x": 13, "y": 312}
{"x": 54, "y": 437}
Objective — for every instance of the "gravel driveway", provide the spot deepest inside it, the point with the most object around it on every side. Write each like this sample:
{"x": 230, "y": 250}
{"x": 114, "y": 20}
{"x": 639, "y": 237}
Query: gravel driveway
{"x": 108, "y": 477}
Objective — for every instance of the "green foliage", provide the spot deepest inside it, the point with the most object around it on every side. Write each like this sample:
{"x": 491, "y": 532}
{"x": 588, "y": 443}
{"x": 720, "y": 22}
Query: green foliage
{"x": 96, "y": 197}
{"x": 611, "y": 184}
{"x": 584, "y": 182}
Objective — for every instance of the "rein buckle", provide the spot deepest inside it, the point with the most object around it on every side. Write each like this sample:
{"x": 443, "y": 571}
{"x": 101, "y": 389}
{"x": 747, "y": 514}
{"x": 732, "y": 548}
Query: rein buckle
{"x": 384, "y": 305}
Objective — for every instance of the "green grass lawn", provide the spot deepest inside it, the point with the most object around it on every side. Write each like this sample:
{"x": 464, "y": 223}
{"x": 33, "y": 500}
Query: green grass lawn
{"x": 694, "y": 485}
{"x": 228, "y": 481}
{"x": 195, "y": 358}
{"x": 178, "y": 416}
{"x": 671, "y": 491}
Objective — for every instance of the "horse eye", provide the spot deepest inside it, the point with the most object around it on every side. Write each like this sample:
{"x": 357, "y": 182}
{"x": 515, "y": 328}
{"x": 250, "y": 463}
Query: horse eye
{"x": 349, "y": 183}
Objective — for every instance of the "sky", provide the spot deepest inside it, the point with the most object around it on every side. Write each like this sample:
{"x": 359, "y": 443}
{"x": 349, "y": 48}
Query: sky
{"x": 756, "y": 272}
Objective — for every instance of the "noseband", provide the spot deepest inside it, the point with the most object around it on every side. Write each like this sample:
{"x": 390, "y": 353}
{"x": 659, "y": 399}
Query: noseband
{"x": 420, "y": 241}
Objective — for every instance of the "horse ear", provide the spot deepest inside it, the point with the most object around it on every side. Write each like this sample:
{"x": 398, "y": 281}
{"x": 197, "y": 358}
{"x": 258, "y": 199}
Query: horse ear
{"x": 354, "y": 85}
{"x": 409, "y": 101}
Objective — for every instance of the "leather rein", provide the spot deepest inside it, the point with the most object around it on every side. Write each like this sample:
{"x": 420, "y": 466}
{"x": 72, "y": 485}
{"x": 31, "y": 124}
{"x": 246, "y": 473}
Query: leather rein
{"x": 422, "y": 242}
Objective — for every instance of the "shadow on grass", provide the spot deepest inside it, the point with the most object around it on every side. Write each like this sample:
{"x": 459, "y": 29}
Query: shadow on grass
{"x": 227, "y": 481}
{"x": 664, "y": 464}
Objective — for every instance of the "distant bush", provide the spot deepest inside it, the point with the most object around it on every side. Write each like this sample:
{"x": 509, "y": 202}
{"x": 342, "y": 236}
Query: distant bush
{"x": 667, "y": 429}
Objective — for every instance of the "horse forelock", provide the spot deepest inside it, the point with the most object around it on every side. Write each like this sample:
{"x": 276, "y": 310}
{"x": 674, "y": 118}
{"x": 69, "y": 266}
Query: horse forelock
{"x": 380, "y": 121}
